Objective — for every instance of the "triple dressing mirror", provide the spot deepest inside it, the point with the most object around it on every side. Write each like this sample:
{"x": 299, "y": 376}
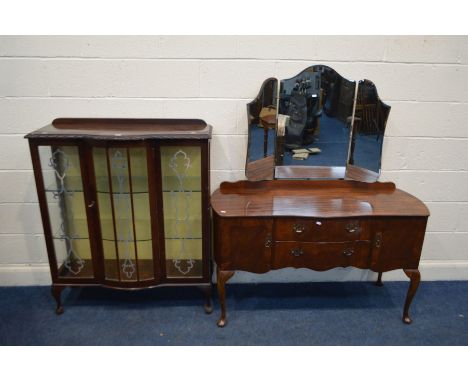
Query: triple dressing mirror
{"x": 315, "y": 125}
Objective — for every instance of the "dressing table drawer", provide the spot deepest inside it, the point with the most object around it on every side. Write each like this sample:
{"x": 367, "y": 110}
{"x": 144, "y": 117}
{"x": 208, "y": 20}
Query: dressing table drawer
{"x": 322, "y": 256}
{"x": 321, "y": 230}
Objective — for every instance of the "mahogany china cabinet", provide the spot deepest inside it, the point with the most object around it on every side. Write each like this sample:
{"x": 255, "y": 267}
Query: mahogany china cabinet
{"x": 312, "y": 199}
{"x": 125, "y": 202}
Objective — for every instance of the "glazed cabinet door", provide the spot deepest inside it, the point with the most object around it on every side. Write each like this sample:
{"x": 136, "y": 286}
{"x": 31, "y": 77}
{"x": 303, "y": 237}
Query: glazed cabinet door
{"x": 60, "y": 172}
{"x": 123, "y": 196}
{"x": 184, "y": 207}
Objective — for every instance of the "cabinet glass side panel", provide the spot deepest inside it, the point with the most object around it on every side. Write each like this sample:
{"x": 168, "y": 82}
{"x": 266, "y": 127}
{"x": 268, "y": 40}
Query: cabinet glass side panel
{"x": 182, "y": 209}
{"x": 123, "y": 200}
{"x": 61, "y": 171}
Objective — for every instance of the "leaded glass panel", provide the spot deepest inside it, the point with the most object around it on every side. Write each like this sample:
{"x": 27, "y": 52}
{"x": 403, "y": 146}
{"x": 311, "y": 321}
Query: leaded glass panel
{"x": 61, "y": 172}
{"x": 182, "y": 208}
{"x": 124, "y": 211}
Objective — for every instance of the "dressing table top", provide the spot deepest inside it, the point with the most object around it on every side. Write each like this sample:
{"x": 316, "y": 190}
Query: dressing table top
{"x": 320, "y": 198}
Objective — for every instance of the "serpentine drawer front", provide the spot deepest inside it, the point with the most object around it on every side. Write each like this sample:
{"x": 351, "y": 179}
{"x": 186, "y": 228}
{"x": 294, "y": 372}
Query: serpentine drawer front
{"x": 266, "y": 225}
{"x": 321, "y": 256}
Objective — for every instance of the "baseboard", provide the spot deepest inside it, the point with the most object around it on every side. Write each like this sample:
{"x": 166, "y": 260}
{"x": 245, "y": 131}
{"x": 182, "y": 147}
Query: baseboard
{"x": 23, "y": 275}
{"x": 431, "y": 270}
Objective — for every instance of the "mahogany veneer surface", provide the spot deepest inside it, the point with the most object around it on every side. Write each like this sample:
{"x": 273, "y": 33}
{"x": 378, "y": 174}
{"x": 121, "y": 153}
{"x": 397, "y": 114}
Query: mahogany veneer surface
{"x": 332, "y": 198}
{"x": 121, "y": 128}
{"x": 320, "y": 225}
{"x": 103, "y": 267}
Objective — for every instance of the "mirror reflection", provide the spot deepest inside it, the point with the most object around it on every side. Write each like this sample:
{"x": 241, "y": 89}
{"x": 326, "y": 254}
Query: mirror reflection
{"x": 314, "y": 119}
{"x": 261, "y": 115}
{"x": 369, "y": 127}
{"x": 316, "y": 125}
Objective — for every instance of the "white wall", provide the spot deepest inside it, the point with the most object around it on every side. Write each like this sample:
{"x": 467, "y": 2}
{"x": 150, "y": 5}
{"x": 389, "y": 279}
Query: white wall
{"x": 424, "y": 79}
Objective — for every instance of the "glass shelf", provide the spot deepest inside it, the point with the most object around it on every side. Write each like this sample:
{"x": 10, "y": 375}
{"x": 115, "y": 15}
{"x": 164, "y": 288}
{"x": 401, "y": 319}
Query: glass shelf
{"x": 183, "y": 238}
{"x": 125, "y": 226}
{"x": 74, "y": 184}
{"x": 55, "y": 237}
{"x": 174, "y": 271}
{"x": 182, "y": 229}
{"x": 84, "y": 270}
{"x": 114, "y": 267}
{"x": 190, "y": 184}
{"x": 139, "y": 185}
{"x": 145, "y": 268}
{"x": 123, "y": 241}
{"x": 142, "y": 226}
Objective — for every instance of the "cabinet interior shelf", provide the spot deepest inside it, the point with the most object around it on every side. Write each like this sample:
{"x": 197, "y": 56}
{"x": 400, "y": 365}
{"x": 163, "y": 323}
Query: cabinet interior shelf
{"x": 183, "y": 238}
{"x": 124, "y": 241}
{"x": 145, "y": 270}
{"x": 126, "y": 222}
{"x": 139, "y": 185}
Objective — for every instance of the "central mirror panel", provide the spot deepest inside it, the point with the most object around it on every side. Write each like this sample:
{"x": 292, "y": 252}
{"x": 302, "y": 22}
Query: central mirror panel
{"x": 314, "y": 124}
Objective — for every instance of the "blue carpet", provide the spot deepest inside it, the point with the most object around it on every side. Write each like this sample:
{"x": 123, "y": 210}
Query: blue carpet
{"x": 256, "y": 147}
{"x": 355, "y": 313}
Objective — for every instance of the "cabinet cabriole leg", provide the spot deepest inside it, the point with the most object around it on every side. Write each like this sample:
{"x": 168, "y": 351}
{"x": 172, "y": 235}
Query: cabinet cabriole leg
{"x": 415, "y": 278}
{"x": 222, "y": 278}
{"x": 57, "y": 292}
{"x": 208, "y": 306}
{"x": 379, "y": 280}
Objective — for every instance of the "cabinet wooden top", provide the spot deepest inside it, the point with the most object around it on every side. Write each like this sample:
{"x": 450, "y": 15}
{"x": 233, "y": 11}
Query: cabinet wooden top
{"x": 314, "y": 198}
{"x": 123, "y": 129}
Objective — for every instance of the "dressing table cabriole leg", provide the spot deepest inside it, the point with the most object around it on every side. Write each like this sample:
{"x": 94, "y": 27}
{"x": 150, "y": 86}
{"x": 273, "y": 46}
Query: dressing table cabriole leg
{"x": 379, "y": 280}
{"x": 222, "y": 278}
{"x": 415, "y": 278}
{"x": 56, "y": 292}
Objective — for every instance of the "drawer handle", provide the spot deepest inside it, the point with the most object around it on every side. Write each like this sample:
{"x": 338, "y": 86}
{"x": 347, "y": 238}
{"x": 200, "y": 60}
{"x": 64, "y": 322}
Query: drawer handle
{"x": 348, "y": 252}
{"x": 297, "y": 252}
{"x": 298, "y": 228}
{"x": 268, "y": 241}
{"x": 92, "y": 204}
{"x": 352, "y": 227}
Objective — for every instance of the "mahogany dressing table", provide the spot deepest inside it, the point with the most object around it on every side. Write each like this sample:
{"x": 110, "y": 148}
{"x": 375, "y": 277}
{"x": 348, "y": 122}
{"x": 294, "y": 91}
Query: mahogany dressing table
{"x": 312, "y": 200}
